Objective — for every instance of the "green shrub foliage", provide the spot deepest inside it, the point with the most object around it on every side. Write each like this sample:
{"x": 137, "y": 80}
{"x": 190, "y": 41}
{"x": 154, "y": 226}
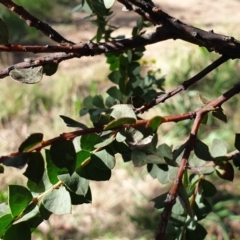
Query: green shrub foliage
{"x": 59, "y": 169}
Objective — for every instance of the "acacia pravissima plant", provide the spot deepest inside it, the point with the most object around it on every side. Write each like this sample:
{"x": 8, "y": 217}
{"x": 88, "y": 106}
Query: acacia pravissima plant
{"x": 58, "y": 175}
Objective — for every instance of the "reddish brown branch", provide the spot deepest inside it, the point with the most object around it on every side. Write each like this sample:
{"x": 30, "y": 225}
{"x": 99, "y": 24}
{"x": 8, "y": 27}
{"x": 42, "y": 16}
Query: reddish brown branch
{"x": 171, "y": 198}
{"x": 174, "y": 118}
{"x": 172, "y": 195}
{"x": 78, "y": 50}
{"x": 39, "y": 61}
{"x": 224, "y": 45}
{"x": 74, "y": 134}
{"x": 35, "y": 22}
{"x": 170, "y": 29}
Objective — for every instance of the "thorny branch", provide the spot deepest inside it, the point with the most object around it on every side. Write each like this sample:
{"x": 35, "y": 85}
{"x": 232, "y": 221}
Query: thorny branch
{"x": 162, "y": 98}
{"x": 171, "y": 198}
{"x": 214, "y": 104}
{"x": 168, "y": 28}
{"x": 35, "y": 22}
{"x": 224, "y": 45}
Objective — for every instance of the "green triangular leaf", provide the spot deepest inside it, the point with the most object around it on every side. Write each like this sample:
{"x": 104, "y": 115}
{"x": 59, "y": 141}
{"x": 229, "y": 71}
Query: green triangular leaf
{"x": 75, "y": 183}
{"x": 45, "y": 214}
{"x": 98, "y": 101}
{"x": 87, "y": 142}
{"x": 31, "y": 212}
{"x": 218, "y": 149}
{"x": 165, "y": 152}
{"x": 52, "y": 170}
{"x": 19, "y": 231}
{"x": 42, "y": 186}
{"x": 57, "y": 201}
{"x": 103, "y": 159}
{"x": 139, "y": 137}
{"x": 140, "y": 158}
{"x": 119, "y": 122}
{"x": 159, "y": 202}
{"x": 114, "y": 76}
{"x": 122, "y": 148}
{"x": 91, "y": 172}
{"x": 72, "y": 123}
{"x": 18, "y": 199}
{"x": 4, "y": 36}
{"x": 178, "y": 208}
{"x": 184, "y": 201}
{"x": 163, "y": 173}
{"x": 154, "y": 123}
{"x": 225, "y": 171}
{"x": 63, "y": 155}
{"x": 208, "y": 189}
{"x": 201, "y": 207}
{"x": 106, "y": 142}
{"x": 121, "y": 136}
{"x": 201, "y": 150}
{"x": 110, "y": 101}
{"x": 115, "y": 93}
{"x": 31, "y": 141}
{"x": 82, "y": 156}
{"x": 34, "y": 222}
{"x": 80, "y": 199}
{"x": 35, "y": 168}
{"x": 5, "y": 221}
{"x": 199, "y": 233}
{"x": 123, "y": 111}
{"x": 18, "y": 161}
{"x": 87, "y": 102}
{"x": 219, "y": 114}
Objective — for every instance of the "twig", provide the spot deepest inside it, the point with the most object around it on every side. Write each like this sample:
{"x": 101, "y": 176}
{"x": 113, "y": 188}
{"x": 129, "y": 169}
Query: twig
{"x": 170, "y": 29}
{"x": 172, "y": 195}
{"x": 173, "y": 118}
{"x": 40, "y": 61}
{"x": 170, "y": 26}
{"x": 35, "y": 22}
{"x": 162, "y": 98}
{"x": 196, "y": 190}
{"x": 171, "y": 198}
{"x": 199, "y": 170}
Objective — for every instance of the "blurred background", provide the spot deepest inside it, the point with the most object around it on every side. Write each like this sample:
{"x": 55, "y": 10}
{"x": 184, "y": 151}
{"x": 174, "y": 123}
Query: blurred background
{"x": 121, "y": 208}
